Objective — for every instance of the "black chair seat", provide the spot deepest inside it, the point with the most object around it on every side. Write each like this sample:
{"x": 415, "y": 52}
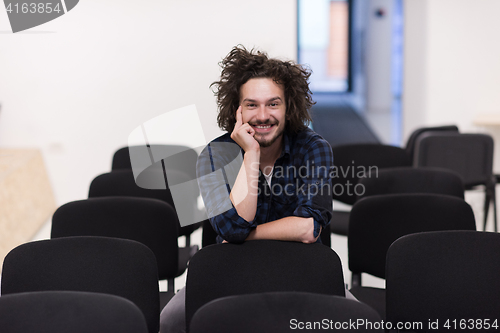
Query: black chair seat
{"x": 69, "y": 311}
{"x": 261, "y": 266}
{"x": 119, "y": 267}
{"x": 280, "y": 312}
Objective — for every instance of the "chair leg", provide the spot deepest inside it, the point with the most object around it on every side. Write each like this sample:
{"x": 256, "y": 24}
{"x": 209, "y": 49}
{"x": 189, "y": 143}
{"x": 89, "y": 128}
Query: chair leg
{"x": 487, "y": 200}
{"x": 171, "y": 285}
{"x": 355, "y": 279}
{"x": 494, "y": 198}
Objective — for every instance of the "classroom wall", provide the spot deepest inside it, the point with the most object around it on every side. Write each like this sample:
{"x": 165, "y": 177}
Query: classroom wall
{"x": 452, "y": 72}
{"x": 76, "y": 87}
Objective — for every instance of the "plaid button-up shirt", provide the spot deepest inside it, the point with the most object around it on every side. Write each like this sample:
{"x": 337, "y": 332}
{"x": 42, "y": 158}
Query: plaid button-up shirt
{"x": 301, "y": 184}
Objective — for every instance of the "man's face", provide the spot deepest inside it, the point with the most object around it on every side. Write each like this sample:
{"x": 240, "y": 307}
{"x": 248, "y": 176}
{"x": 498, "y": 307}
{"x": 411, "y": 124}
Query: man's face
{"x": 263, "y": 107}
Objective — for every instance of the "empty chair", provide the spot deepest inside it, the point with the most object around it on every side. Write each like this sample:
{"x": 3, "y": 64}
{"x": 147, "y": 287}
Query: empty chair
{"x": 377, "y": 221}
{"x": 69, "y": 311}
{"x": 351, "y": 163}
{"x": 412, "y": 180}
{"x": 113, "y": 266}
{"x": 412, "y": 140}
{"x": 261, "y": 266}
{"x": 122, "y": 183}
{"x": 470, "y": 155}
{"x": 445, "y": 276}
{"x": 175, "y": 157}
{"x": 149, "y": 221}
{"x": 277, "y": 312}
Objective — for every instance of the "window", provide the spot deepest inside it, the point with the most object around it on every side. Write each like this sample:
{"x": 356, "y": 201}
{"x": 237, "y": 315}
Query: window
{"x": 323, "y": 43}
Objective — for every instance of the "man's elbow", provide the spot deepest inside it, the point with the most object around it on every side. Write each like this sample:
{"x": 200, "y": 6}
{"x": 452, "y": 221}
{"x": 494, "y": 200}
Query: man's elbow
{"x": 235, "y": 238}
{"x": 308, "y": 231}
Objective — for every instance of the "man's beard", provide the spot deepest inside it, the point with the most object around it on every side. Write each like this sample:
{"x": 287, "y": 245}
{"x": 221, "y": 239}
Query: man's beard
{"x": 267, "y": 143}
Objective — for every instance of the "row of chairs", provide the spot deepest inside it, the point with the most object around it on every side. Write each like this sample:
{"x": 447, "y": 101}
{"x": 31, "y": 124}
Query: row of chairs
{"x": 431, "y": 276}
{"x": 441, "y": 278}
{"x": 98, "y": 205}
{"x": 377, "y": 221}
{"x": 120, "y": 241}
{"x": 469, "y": 155}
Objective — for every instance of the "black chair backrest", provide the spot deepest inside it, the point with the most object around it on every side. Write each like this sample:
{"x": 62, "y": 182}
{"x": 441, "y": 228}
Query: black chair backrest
{"x": 470, "y": 155}
{"x": 69, "y": 311}
{"x": 353, "y": 161}
{"x": 281, "y": 312}
{"x": 449, "y": 276}
{"x": 113, "y": 266}
{"x": 412, "y": 140}
{"x": 377, "y": 221}
{"x": 122, "y": 183}
{"x": 148, "y": 221}
{"x": 413, "y": 180}
{"x": 180, "y": 158}
{"x": 261, "y": 266}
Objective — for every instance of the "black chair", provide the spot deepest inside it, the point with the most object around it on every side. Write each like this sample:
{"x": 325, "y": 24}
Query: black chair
{"x": 412, "y": 180}
{"x": 175, "y": 157}
{"x": 447, "y": 276}
{"x": 279, "y": 312}
{"x": 261, "y": 266}
{"x": 412, "y": 140}
{"x": 167, "y": 157}
{"x": 69, "y": 311}
{"x": 353, "y": 162}
{"x": 113, "y": 266}
{"x": 470, "y": 155}
{"x": 149, "y": 221}
{"x": 122, "y": 183}
{"x": 377, "y": 221}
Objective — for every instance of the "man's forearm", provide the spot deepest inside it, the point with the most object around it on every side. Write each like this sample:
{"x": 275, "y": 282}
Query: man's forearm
{"x": 245, "y": 190}
{"x": 292, "y": 228}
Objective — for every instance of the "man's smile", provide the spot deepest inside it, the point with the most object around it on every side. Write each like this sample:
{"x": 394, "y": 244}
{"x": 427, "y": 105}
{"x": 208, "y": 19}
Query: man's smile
{"x": 263, "y": 128}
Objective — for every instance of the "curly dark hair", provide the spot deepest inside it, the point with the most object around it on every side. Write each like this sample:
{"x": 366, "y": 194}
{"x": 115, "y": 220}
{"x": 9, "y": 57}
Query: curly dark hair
{"x": 241, "y": 65}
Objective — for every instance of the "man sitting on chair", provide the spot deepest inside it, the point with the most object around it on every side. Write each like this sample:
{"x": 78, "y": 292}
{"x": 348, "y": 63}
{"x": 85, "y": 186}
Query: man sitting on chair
{"x": 268, "y": 177}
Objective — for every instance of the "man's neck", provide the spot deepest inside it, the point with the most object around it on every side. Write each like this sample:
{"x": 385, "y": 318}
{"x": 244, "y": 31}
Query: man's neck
{"x": 269, "y": 155}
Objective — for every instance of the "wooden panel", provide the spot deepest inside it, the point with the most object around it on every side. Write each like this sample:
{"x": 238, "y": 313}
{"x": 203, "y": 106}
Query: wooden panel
{"x": 26, "y": 198}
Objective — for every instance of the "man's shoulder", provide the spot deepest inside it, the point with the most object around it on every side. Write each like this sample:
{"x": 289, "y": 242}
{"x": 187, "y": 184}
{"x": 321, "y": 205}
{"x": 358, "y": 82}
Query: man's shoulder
{"x": 223, "y": 138}
{"x": 219, "y": 152}
{"x": 307, "y": 138}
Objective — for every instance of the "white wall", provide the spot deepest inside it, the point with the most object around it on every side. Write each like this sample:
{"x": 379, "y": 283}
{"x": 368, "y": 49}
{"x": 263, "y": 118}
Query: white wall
{"x": 77, "y": 86}
{"x": 452, "y": 67}
{"x": 378, "y": 56}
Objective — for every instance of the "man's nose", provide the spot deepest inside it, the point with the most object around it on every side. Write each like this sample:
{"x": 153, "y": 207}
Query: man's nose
{"x": 262, "y": 114}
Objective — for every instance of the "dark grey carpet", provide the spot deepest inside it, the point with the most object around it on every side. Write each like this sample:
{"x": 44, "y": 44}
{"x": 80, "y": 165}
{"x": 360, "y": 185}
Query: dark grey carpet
{"x": 338, "y": 123}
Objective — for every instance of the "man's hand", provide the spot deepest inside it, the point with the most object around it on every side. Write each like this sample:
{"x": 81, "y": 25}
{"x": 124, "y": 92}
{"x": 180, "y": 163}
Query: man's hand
{"x": 243, "y": 134}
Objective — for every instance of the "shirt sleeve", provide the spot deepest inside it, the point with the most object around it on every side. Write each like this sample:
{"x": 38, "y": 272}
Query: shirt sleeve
{"x": 315, "y": 197}
{"x": 217, "y": 168}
